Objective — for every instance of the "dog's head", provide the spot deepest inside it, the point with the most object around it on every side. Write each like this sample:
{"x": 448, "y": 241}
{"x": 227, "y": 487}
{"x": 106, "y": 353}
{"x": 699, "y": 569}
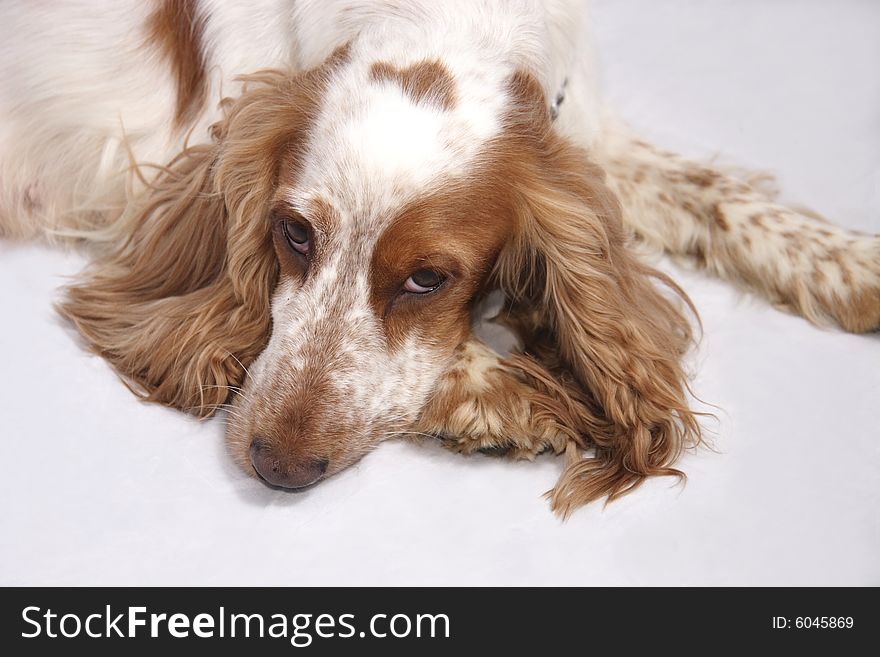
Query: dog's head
{"x": 325, "y": 254}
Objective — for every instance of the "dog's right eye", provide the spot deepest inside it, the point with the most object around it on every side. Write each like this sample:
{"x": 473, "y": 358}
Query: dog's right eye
{"x": 297, "y": 236}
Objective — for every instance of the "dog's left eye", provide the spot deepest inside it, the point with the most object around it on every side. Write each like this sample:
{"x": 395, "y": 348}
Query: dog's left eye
{"x": 423, "y": 281}
{"x": 297, "y": 236}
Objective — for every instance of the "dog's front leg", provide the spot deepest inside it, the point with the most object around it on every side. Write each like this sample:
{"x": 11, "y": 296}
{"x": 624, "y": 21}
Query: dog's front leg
{"x": 511, "y": 406}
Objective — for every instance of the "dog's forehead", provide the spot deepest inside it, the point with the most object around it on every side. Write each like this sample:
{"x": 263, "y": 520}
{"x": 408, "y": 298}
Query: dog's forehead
{"x": 388, "y": 131}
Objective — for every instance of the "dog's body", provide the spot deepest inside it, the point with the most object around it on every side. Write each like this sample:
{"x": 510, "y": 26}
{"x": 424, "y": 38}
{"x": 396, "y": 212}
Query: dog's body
{"x": 322, "y": 236}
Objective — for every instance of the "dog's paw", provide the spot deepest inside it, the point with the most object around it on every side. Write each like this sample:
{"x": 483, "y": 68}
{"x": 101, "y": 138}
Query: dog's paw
{"x": 846, "y": 282}
{"x": 484, "y": 405}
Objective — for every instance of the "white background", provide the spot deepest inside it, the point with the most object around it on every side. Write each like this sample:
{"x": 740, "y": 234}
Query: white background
{"x": 98, "y": 488}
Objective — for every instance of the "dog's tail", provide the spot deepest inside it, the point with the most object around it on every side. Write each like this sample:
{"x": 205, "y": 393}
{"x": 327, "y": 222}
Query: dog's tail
{"x": 732, "y": 227}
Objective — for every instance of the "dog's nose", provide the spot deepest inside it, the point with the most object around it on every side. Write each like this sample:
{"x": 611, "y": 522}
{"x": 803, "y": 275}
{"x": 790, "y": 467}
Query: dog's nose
{"x": 278, "y": 470}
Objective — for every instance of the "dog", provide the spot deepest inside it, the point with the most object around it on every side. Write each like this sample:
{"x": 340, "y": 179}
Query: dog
{"x": 296, "y": 211}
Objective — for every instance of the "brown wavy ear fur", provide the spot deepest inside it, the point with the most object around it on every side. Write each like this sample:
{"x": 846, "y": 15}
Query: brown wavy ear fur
{"x": 181, "y": 305}
{"x": 591, "y": 313}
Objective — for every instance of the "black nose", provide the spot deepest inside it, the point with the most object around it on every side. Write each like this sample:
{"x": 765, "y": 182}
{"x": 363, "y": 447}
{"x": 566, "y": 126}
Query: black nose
{"x": 280, "y": 470}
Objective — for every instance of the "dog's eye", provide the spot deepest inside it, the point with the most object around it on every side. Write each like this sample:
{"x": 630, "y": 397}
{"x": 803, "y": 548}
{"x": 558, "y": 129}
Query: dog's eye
{"x": 297, "y": 236}
{"x": 423, "y": 281}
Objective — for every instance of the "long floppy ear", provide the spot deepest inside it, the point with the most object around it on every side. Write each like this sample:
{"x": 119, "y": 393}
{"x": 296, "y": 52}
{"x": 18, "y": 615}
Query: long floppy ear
{"x": 181, "y": 305}
{"x": 588, "y": 309}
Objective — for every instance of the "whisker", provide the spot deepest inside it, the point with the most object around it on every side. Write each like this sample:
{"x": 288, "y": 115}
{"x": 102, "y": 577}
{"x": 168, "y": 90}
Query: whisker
{"x": 217, "y": 385}
{"x": 230, "y": 410}
{"x": 391, "y": 434}
{"x": 236, "y": 417}
{"x": 247, "y": 372}
{"x": 238, "y": 391}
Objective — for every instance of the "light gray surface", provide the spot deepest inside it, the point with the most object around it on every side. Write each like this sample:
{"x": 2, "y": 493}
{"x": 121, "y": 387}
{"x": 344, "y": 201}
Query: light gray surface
{"x": 101, "y": 489}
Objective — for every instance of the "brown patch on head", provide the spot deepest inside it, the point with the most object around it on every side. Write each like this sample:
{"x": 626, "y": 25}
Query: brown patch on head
{"x": 424, "y": 82}
{"x": 176, "y": 28}
{"x": 457, "y": 232}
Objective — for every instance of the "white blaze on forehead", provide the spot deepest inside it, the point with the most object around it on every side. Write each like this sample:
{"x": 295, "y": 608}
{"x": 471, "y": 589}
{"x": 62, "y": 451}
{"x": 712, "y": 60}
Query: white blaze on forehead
{"x": 396, "y": 139}
{"x": 374, "y": 146}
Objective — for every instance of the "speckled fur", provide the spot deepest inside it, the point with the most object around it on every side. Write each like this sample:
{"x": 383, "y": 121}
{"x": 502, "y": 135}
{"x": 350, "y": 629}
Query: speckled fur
{"x": 736, "y": 231}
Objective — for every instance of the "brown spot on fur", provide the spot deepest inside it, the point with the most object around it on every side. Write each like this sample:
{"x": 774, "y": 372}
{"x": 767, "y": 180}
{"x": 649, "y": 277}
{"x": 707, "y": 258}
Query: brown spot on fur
{"x": 663, "y": 197}
{"x": 757, "y": 221}
{"x": 818, "y": 276}
{"x": 176, "y": 28}
{"x": 747, "y": 241}
{"x": 734, "y": 189}
{"x": 31, "y": 199}
{"x": 424, "y": 82}
{"x": 718, "y": 217}
{"x": 702, "y": 177}
{"x": 692, "y": 209}
{"x": 699, "y": 255}
{"x": 674, "y": 176}
{"x": 860, "y": 312}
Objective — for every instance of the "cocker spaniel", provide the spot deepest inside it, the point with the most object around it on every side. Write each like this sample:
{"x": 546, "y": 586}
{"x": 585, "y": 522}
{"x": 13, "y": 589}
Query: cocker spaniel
{"x": 299, "y": 207}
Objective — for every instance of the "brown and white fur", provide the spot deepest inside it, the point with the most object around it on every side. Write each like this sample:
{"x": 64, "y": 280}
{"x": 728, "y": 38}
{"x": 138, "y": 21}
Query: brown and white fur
{"x": 264, "y": 184}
